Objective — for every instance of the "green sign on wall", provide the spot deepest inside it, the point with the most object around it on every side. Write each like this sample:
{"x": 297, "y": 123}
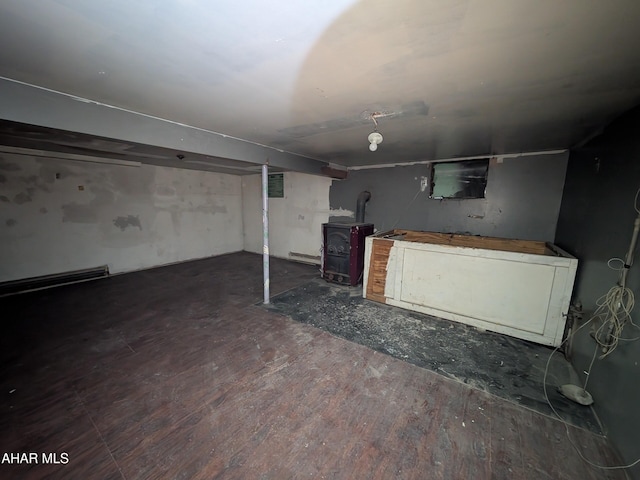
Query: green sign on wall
{"x": 276, "y": 185}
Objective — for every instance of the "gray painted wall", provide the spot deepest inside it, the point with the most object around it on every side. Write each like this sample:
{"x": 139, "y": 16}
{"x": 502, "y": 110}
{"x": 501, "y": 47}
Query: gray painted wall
{"x": 595, "y": 224}
{"x": 60, "y": 215}
{"x": 522, "y": 199}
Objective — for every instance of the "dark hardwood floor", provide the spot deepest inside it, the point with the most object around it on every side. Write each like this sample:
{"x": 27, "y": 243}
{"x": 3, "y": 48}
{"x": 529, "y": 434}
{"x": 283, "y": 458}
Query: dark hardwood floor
{"x": 176, "y": 373}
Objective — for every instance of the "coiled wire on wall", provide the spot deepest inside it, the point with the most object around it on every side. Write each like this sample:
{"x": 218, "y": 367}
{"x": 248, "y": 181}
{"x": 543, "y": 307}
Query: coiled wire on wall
{"x": 612, "y": 315}
{"x": 613, "y": 312}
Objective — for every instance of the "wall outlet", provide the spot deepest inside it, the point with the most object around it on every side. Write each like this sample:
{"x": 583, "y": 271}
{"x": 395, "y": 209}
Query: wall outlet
{"x": 424, "y": 183}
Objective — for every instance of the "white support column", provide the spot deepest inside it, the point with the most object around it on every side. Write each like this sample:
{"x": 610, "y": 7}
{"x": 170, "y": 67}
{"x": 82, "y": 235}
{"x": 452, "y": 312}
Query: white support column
{"x": 265, "y": 231}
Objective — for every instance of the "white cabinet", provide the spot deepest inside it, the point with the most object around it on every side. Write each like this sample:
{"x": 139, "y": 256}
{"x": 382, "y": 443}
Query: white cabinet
{"x": 516, "y": 287}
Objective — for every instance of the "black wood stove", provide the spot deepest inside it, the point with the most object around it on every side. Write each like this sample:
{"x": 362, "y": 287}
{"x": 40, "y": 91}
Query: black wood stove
{"x": 343, "y": 251}
{"x": 343, "y": 247}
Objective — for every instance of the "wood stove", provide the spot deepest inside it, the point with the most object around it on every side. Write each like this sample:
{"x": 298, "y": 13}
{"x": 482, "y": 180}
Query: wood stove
{"x": 343, "y": 251}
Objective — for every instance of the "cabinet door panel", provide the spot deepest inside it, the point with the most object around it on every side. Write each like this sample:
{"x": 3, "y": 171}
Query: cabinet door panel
{"x": 503, "y": 292}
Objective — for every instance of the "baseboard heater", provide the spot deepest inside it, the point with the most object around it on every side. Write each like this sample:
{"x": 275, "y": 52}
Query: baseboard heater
{"x": 305, "y": 258}
{"x": 44, "y": 281}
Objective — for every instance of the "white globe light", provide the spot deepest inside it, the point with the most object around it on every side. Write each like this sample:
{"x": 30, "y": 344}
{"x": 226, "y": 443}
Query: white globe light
{"x": 374, "y": 139}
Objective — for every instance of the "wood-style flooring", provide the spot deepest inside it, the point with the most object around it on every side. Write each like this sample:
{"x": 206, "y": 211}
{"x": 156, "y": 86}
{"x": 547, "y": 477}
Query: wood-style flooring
{"x": 175, "y": 373}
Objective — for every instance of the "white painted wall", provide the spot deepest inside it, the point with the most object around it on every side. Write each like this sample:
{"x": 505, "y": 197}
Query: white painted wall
{"x": 294, "y": 221}
{"x": 94, "y": 214}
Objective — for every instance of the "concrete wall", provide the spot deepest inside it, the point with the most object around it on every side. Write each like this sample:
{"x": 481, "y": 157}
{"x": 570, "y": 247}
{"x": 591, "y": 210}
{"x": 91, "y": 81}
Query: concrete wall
{"x": 595, "y": 224}
{"x": 60, "y": 215}
{"x": 522, "y": 199}
{"x": 294, "y": 221}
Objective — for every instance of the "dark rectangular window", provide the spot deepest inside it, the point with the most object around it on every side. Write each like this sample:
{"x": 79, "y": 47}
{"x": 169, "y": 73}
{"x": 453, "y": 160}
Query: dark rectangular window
{"x": 459, "y": 179}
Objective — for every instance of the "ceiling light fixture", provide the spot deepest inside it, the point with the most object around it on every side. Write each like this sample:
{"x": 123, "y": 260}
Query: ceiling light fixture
{"x": 374, "y": 137}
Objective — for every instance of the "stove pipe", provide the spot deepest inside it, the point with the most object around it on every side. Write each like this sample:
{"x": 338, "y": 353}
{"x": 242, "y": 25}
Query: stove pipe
{"x": 363, "y": 198}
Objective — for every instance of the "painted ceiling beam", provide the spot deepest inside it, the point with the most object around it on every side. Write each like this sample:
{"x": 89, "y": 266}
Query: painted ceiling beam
{"x": 25, "y": 103}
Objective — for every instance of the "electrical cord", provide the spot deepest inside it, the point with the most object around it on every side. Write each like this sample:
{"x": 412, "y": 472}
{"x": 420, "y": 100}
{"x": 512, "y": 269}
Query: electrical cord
{"x": 616, "y": 259}
{"x": 564, "y": 422}
{"x": 406, "y": 209}
{"x": 613, "y": 312}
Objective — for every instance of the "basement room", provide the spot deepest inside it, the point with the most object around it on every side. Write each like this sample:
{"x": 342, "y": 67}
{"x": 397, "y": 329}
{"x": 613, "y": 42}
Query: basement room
{"x": 348, "y": 239}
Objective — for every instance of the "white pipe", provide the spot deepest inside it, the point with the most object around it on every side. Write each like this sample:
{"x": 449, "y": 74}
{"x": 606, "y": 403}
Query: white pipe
{"x": 628, "y": 261}
{"x": 622, "y": 283}
{"x": 265, "y": 231}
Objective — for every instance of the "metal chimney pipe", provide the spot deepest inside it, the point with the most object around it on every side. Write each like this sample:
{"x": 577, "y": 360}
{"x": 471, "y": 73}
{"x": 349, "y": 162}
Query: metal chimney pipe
{"x": 363, "y": 198}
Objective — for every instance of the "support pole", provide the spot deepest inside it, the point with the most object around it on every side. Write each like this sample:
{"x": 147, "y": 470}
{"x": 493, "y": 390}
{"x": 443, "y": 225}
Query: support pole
{"x": 265, "y": 231}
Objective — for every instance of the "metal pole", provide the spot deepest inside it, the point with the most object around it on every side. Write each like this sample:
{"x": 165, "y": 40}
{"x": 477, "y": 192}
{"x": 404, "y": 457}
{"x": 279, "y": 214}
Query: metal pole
{"x": 265, "y": 231}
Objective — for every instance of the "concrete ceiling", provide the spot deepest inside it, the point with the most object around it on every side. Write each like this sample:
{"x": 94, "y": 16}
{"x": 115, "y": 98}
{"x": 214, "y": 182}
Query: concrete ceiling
{"x": 298, "y": 82}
